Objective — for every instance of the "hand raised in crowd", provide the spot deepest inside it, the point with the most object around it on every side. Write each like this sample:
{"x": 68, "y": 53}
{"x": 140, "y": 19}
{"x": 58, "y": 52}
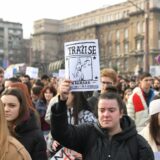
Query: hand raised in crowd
{"x": 65, "y": 89}
{"x": 55, "y": 144}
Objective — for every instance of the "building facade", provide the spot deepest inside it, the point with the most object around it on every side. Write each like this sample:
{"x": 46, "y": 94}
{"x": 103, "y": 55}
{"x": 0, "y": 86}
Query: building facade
{"x": 11, "y": 35}
{"x": 126, "y": 32}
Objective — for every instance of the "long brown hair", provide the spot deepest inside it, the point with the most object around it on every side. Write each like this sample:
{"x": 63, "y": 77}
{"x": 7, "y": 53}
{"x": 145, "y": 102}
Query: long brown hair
{"x": 23, "y": 112}
{"x": 51, "y": 89}
{"x": 25, "y": 91}
{"x": 79, "y": 103}
{"x": 154, "y": 128}
{"x": 4, "y": 133}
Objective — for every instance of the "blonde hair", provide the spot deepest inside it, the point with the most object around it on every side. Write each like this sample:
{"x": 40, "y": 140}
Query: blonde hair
{"x": 4, "y": 133}
{"x": 109, "y": 72}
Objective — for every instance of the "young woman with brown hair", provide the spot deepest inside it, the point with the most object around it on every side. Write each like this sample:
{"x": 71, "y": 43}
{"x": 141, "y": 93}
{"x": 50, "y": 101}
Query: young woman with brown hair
{"x": 10, "y": 147}
{"x": 23, "y": 124}
{"x": 47, "y": 93}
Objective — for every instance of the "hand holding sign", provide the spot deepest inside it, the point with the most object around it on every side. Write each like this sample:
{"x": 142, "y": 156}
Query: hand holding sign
{"x": 55, "y": 145}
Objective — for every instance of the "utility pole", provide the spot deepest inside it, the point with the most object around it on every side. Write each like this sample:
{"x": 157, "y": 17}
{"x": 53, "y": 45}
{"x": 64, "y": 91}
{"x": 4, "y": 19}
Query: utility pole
{"x": 146, "y": 49}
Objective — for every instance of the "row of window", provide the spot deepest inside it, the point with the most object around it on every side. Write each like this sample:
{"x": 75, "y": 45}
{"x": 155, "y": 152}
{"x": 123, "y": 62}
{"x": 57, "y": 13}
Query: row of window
{"x": 15, "y": 31}
{"x": 139, "y": 47}
{"x": 140, "y": 30}
{"x": 118, "y": 49}
{"x": 124, "y": 65}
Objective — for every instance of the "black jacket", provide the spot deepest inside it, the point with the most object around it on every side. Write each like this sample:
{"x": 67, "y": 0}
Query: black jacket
{"x": 30, "y": 135}
{"x": 92, "y": 141}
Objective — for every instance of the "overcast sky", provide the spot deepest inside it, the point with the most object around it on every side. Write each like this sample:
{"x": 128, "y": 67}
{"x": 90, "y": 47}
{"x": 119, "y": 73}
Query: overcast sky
{"x": 27, "y": 11}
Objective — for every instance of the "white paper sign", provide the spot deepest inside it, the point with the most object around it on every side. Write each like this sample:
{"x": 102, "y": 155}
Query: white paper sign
{"x": 155, "y": 70}
{"x": 32, "y": 72}
{"x": 82, "y": 65}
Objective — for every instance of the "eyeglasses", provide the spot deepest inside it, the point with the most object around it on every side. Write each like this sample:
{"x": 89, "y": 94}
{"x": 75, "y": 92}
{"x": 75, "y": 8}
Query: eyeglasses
{"x": 107, "y": 83}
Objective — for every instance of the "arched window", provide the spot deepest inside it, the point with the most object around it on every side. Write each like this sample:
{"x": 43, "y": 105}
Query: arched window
{"x": 138, "y": 28}
{"x": 118, "y": 35}
{"x": 118, "y": 49}
{"x": 126, "y": 33}
{"x": 126, "y": 48}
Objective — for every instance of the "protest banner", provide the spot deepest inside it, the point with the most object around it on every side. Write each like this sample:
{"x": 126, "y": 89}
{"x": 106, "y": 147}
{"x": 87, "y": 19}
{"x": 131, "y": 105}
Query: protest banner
{"x": 32, "y": 72}
{"x": 82, "y": 65}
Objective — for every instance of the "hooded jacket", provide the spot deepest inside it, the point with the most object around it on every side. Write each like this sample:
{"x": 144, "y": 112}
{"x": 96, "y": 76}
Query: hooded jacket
{"x": 93, "y": 142}
{"x": 16, "y": 151}
{"x": 30, "y": 135}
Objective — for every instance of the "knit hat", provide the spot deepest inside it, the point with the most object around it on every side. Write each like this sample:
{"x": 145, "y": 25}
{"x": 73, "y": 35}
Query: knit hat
{"x": 154, "y": 107}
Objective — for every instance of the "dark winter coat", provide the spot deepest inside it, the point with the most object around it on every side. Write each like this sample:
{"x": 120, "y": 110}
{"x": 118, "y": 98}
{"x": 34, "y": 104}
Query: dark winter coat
{"x": 92, "y": 141}
{"x": 30, "y": 135}
{"x": 41, "y": 107}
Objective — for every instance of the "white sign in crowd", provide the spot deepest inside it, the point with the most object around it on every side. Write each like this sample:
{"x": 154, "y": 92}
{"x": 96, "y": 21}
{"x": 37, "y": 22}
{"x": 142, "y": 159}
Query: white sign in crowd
{"x": 31, "y": 71}
{"x": 82, "y": 65}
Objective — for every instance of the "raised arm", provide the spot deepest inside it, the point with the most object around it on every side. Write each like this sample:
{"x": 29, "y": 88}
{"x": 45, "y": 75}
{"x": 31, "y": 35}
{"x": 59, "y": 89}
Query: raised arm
{"x": 67, "y": 135}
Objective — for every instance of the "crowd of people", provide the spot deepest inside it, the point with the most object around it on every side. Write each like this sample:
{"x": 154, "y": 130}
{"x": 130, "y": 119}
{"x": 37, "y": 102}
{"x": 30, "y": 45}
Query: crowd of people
{"x": 40, "y": 118}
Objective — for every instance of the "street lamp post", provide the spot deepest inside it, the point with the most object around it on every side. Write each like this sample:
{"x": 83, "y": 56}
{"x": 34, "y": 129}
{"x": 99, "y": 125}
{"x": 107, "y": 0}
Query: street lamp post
{"x": 146, "y": 54}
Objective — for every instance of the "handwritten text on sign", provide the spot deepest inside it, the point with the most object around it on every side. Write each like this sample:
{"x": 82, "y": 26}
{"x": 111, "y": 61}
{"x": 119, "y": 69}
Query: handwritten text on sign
{"x": 82, "y": 65}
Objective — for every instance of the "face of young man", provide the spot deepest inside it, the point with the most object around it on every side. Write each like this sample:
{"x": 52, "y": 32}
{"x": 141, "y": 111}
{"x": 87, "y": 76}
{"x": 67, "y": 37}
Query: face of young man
{"x": 156, "y": 84}
{"x": 11, "y": 107}
{"x": 105, "y": 81}
{"x": 146, "y": 83}
{"x": 109, "y": 114}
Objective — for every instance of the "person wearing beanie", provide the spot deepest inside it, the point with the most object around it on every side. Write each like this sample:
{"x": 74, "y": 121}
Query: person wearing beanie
{"x": 154, "y": 107}
{"x": 152, "y": 131}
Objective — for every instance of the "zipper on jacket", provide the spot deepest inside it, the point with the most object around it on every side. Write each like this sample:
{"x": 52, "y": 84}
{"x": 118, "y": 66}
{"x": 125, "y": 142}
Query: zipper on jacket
{"x": 109, "y": 151}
